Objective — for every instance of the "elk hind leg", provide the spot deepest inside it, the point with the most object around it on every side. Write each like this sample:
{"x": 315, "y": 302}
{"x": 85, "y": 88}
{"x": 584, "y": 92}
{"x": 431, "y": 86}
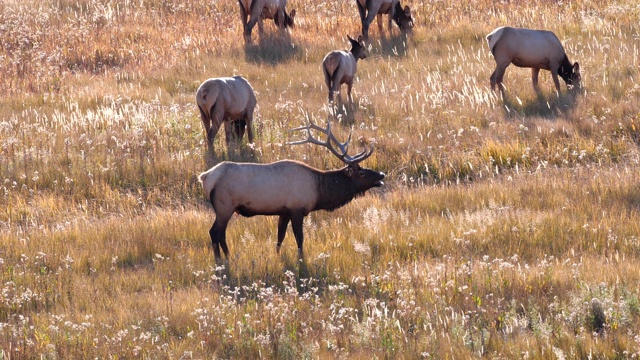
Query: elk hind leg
{"x": 328, "y": 80}
{"x": 497, "y": 77}
{"x": 335, "y": 85}
{"x": 218, "y": 237}
{"x": 349, "y": 97}
{"x": 216, "y": 117}
{"x": 244, "y": 16}
{"x": 206, "y": 123}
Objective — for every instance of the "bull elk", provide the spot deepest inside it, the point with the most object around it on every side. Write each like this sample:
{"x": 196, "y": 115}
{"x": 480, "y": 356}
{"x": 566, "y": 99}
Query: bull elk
{"x": 535, "y": 49}
{"x": 289, "y": 189}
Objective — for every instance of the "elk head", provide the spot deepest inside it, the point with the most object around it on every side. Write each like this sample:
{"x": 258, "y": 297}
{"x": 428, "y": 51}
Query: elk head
{"x": 361, "y": 178}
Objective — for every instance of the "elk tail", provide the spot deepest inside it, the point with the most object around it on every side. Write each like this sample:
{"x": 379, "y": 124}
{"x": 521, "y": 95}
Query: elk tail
{"x": 209, "y": 178}
{"x": 205, "y": 93}
{"x": 492, "y": 39}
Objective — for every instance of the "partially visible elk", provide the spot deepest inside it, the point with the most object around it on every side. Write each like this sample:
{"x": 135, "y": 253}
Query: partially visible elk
{"x": 339, "y": 67}
{"x": 287, "y": 188}
{"x": 369, "y": 9}
{"x": 230, "y": 100}
{"x": 252, "y": 11}
{"x": 535, "y": 49}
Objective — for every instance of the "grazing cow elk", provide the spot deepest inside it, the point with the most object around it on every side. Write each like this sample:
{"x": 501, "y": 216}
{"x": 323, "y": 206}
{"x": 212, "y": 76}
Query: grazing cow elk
{"x": 287, "y": 188}
{"x": 230, "y": 100}
{"x": 369, "y": 9}
{"x": 257, "y": 10}
{"x": 339, "y": 67}
{"x": 535, "y": 49}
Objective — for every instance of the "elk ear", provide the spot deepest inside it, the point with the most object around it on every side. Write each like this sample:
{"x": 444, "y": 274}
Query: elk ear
{"x": 407, "y": 11}
{"x": 292, "y": 14}
{"x": 350, "y": 38}
{"x": 576, "y": 68}
{"x": 349, "y": 171}
{"x": 360, "y": 39}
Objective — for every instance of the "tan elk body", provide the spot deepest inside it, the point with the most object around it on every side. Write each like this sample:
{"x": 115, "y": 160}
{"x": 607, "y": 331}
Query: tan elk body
{"x": 535, "y": 49}
{"x": 254, "y": 11}
{"x": 230, "y": 100}
{"x": 370, "y": 9}
{"x": 339, "y": 67}
{"x": 287, "y": 188}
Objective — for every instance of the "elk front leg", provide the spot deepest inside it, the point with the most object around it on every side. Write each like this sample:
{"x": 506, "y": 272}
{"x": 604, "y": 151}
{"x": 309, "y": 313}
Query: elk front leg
{"x": 254, "y": 18}
{"x": 296, "y": 223}
{"x": 392, "y": 13}
{"x": 372, "y": 11}
{"x": 280, "y": 19}
{"x": 554, "y": 75}
{"x": 349, "y": 85}
{"x": 283, "y": 222}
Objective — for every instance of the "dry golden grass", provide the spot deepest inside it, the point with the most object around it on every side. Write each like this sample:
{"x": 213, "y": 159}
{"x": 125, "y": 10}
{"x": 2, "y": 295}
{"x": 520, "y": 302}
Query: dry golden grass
{"x": 506, "y": 229}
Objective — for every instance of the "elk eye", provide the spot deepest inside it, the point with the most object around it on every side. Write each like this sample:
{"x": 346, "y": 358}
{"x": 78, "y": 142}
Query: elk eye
{"x": 361, "y": 173}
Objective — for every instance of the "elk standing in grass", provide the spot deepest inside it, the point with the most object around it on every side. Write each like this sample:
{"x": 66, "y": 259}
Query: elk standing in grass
{"x": 369, "y": 9}
{"x": 339, "y": 67}
{"x": 535, "y": 49}
{"x": 230, "y": 100}
{"x": 252, "y": 11}
{"x": 287, "y": 188}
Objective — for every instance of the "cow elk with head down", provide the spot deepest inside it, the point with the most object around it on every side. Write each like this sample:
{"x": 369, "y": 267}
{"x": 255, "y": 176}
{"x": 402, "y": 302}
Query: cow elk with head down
{"x": 230, "y": 100}
{"x": 339, "y": 67}
{"x": 535, "y": 49}
{"x": 288, "y": 189}
{"x": 369, "y": 9}
{"x": 254, "y": 11}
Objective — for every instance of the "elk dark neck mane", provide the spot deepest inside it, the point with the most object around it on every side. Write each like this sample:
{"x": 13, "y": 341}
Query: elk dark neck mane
{"x": 566, "y": 69}
{"x": 335, "y": 189}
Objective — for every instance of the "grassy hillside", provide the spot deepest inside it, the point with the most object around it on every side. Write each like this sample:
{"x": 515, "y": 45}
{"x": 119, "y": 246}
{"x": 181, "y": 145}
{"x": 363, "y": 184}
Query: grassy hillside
{"x": 506, "y": 228}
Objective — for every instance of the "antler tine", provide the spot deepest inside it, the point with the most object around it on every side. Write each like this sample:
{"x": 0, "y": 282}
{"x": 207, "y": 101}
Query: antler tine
{"x": 311, "y": 139}
{"x": 308, "y": 127}
{"x": 361, "y": 155}
{"x": 342, "y": 146}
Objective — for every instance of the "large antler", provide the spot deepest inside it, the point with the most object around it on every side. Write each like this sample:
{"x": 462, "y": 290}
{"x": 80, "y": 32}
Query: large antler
{"x": 331, "y": 139}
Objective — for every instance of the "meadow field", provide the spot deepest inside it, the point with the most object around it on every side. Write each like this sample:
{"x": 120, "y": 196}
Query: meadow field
{"x": 506, "y": 229}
